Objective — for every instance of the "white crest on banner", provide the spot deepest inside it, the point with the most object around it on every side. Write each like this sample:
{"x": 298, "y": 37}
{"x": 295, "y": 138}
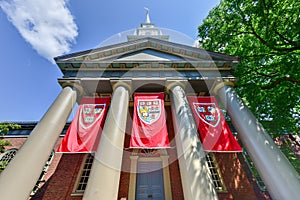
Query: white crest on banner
{"x": 208, "y": 113}
{"x": 149, "y": 110}
{"x": 90, "y": 114}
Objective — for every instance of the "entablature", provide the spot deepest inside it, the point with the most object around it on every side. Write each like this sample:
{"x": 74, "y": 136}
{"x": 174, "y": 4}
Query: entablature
{"x": 186, "y": 64}
{"x": 104, "y": 86}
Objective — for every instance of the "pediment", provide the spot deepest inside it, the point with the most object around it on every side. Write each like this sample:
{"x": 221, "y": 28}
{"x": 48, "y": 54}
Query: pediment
{"x": 148, "y": 55}
{"x": 146, "y": 49}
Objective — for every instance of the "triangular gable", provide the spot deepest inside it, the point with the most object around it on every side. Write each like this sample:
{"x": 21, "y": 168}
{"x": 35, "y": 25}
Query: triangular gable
{"x": 148, "y": 55}
{"x": 165, "y": 49}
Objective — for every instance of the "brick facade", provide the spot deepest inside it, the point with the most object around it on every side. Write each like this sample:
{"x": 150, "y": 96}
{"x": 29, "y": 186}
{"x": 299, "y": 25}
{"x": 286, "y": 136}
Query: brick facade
{"x": 61, "y": 184}
{"x": 60, "y": 179}
{"x": 237, "y": 179}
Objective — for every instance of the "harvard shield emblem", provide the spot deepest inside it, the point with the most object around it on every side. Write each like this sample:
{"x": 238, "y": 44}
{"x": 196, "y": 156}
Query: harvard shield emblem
{"x": 89, "y": 114}
{"x": 208, "y": 113}
{"x": 149, "y": 110}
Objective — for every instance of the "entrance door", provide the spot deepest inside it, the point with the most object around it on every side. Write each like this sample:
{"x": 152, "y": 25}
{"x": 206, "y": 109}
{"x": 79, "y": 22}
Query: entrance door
{"x": 149, "y": 181}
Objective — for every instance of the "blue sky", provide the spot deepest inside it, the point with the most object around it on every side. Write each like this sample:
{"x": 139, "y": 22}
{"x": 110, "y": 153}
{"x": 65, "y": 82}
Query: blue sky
{"x": 32, "y": 32}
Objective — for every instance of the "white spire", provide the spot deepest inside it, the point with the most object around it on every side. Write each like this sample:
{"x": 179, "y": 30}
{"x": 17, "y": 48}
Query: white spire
{"x": 147, "y": 16}
{"x": 147, "y": 29}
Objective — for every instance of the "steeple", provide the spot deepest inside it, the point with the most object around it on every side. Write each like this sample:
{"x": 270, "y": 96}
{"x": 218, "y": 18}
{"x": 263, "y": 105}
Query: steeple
{"x": 147, "y": 29}
{"x": 147, "y": 16}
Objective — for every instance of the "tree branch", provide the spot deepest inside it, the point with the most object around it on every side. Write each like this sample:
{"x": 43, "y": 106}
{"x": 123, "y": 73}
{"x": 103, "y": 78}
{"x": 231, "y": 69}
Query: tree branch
{"x": 263, "y": 55}
{"x": 239, "y": 33}
{"x": 271, "y": 46}
{"x": 267, "y": 75}
{"x": 280, "y": 80}
{"x": 287, "y": 41}
{"x": 253, "y": 32}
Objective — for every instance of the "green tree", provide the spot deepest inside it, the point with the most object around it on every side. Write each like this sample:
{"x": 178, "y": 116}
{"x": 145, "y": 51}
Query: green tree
{"x": 265, "y": 34}
{"x": 4, "y": 128}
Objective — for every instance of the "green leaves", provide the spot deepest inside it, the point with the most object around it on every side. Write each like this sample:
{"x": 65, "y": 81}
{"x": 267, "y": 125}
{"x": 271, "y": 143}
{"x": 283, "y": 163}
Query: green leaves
{"x": 3, "y": 144}
{"x": 265, "y": 34}
{"x": 3, "y": 164}
{"x": 4, "y": 128}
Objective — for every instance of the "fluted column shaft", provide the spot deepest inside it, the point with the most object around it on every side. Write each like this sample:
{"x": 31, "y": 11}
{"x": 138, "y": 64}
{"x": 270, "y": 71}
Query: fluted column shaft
{"x": 279, "y": 176}
{"x": 104, "y": 179}
{"x": 23, "y": 172}
{"x": 195, "y": 176}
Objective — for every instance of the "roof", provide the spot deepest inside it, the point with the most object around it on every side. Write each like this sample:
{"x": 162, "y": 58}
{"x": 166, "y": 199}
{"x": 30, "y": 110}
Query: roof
{"x": 141, "y": 60}
{"x": 26, "y": 129}
{"x": 110, "y": 52}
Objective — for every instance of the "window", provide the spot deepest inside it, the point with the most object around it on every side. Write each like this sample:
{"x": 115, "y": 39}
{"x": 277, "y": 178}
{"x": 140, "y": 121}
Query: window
{"x": 215, "y": 173}
{"x": 6, "y": 157}
{"x": 84, "y": 174}
{"x": 254, "y": 172}
{"x": 42, "y": 175}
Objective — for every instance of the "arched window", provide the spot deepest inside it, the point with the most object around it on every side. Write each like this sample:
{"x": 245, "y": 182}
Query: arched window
{"x": 42, "y": 175}
{"x": 6, "y": 157}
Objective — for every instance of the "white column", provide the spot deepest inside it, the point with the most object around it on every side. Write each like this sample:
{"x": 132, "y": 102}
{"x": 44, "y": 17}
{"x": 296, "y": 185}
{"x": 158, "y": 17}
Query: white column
{"x": 195, "y": 176}
{"x": 279, "y": 176}
{"x": 104, "y": 179}
{"x": 22, "y": 173}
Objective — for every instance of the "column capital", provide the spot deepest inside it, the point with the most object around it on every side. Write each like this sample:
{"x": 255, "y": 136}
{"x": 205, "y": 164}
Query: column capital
{"x": 172, "y": 83}
{"x": 124, "y": 83}
{"x": 219, "y": 84}
{"x": 75, "y": 86}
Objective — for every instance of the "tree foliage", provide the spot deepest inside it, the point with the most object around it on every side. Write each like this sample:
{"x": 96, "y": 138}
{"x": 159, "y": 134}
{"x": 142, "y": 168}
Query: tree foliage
{"x": 265, "y": 34}
{"x": 4, "y": 128}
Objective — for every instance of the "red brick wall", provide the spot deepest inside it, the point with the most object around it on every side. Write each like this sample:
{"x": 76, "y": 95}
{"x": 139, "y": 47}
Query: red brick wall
{"x": 16, "y": 142}
{"x": 238, "y": 182}
{"x": 126, "y": 163}
{"x": 125, "y": 173}
{"x": 60, "y": 185}
{"x": 175, "y": 178}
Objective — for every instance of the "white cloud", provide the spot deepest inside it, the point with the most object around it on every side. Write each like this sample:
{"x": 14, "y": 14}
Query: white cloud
{"x": 47, "y": 25}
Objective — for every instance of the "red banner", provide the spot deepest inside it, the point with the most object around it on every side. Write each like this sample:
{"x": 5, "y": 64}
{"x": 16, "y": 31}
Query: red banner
{"x": 214, "y": 131}
{"x": 84, "y": 132}
{"x": 149, "y": 128}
